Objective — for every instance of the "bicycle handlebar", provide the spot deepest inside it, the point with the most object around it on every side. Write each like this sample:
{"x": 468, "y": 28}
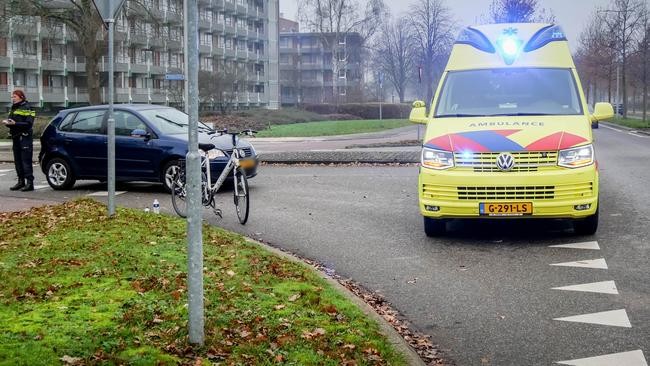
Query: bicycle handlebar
{"x": 247, "y": 132}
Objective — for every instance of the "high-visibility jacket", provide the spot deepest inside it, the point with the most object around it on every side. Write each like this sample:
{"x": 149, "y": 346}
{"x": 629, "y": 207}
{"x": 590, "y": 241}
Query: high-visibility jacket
{"x": 23, "y": 114}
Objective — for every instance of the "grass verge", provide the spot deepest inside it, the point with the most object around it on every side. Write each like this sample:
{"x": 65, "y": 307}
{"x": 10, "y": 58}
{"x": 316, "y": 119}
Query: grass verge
{"x": 331, "y": 128}
{"x": 630, "y": 122}
{"x": 80, "y": 288}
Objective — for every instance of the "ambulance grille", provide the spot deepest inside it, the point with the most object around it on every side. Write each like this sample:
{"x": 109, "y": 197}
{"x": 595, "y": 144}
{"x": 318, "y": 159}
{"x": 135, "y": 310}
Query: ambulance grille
{"x": 501, "y": 193}
{"x": 525, "y": 161}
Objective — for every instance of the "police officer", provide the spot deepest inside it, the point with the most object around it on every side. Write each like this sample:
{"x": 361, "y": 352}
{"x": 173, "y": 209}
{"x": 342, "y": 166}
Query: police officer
{"x": 20, "y": 123}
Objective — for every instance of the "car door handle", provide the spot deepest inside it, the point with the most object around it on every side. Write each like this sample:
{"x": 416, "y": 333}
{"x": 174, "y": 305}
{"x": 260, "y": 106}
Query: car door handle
{"x": 67, "y": 140}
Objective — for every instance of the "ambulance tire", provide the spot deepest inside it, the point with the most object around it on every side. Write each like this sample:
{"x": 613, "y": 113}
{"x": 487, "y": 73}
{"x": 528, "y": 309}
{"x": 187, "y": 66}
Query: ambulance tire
{"x": 587, "y": 226}
{"x": 434, "y": 227}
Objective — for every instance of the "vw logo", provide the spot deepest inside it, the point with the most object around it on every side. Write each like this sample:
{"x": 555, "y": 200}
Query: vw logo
{"x": 505, "y": 162}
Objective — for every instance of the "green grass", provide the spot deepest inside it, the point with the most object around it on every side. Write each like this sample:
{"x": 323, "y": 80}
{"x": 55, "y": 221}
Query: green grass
{"x": 331, "y": 128}
{"x": 80, "y": 288}
{"x": 631, "y": 122}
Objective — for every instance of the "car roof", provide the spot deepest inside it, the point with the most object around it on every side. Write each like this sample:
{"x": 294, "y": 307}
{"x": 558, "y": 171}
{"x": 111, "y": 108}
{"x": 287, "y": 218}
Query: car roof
{"x": 128, "y": 107}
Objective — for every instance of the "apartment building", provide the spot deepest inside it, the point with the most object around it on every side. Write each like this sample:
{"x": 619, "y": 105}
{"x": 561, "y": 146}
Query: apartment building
{"x": 44, "y": 60}
{"x": 319, "y": 68}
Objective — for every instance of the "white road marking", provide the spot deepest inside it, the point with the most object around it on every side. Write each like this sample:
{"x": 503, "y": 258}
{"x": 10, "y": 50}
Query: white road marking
{"x": 631, "y": 358}
{"x": 41, "y": 187}
{"x": 586, "y": 245}
{"x": 104, "y": 193}
{"x": 6, "y": 170}
{"x": 614, "y": 318}
{"x": 611, "y": 128}
{"x": 2, "y": 175}
{"x": 604, "y": 287}
{"x": 587, "y": 263}
{"x": 635, "y": 133}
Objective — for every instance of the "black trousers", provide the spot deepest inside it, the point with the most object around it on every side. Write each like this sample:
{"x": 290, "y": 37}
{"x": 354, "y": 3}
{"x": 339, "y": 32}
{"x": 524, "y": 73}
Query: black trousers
{"x": 23, "y": 147}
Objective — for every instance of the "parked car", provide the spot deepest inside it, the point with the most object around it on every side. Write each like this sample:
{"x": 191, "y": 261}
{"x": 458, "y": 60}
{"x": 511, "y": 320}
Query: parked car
{"x": 150, "y": 144}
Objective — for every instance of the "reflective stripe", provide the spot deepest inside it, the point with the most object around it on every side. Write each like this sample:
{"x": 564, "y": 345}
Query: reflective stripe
{"x": 26, "y": 113}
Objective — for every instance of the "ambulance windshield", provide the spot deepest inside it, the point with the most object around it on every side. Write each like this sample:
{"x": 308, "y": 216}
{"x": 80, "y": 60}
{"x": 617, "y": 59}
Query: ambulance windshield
{"x": 509, "y": 92}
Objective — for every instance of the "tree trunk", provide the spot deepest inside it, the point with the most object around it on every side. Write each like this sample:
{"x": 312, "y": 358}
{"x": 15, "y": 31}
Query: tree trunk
{"x": 88, "y": 41}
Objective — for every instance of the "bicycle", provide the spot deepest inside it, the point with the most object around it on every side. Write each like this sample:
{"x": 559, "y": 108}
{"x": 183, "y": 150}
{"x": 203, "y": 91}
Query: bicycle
{"x": 236, "y": 164}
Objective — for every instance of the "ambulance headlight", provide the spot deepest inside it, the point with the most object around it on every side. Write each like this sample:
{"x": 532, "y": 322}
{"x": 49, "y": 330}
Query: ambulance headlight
{"x": 437, "y": 159}
{"x": 576, "y": 157}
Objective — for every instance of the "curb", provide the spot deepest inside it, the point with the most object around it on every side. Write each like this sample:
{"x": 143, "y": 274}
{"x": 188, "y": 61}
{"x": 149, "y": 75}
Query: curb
{"x": 412, "y": 358}
{"x": 341, "y": 157}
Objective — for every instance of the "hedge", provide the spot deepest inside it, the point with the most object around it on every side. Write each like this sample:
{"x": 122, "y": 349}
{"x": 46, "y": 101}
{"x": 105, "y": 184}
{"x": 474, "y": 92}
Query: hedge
{"x": 39, "y": 125}
{"x": 363, "y": 110}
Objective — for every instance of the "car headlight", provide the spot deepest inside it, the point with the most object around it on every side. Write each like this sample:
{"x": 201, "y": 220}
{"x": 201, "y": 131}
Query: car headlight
{"x": 215, "y": 153}
{"x": 576, "y": 157}
{"x": 437, "y": 159}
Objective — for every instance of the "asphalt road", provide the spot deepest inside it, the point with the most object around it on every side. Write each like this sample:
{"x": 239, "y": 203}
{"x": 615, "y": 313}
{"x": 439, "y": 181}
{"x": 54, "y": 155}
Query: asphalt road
{"x": 485, "y": 292}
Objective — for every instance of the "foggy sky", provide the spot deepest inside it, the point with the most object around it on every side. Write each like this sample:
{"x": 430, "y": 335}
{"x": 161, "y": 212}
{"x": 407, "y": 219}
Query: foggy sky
{"x": 572, "y": 15}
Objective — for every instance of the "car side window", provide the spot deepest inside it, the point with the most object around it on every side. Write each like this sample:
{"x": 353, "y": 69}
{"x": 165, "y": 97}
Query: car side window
{"x": 65, "y": 124}
{"x": 84, "y": 122}
{"x": 126, "y": 122}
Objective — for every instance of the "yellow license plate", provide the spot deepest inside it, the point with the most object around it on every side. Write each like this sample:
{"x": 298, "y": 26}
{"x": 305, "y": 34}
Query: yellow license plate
{"x": 506, "y": 209}
{"x": 246, "y": 164}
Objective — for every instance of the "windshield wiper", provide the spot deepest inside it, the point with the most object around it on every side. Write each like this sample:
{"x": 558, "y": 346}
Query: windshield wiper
{"x": 170, "y": 121}
{"x": 459, "y": 115}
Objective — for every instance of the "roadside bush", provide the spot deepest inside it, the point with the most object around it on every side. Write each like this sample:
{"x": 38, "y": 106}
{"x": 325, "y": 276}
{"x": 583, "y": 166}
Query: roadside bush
{"x": 363, "y": 110}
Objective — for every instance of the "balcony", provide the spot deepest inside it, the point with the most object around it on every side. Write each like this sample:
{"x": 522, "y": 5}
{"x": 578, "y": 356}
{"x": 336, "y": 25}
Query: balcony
{"x": 229, "y": 53}
{"x": 53, "y": 94}
{"x": 76, "y": 64}
{"x": 53, "y": 64}
{"x": 22, "y": 61}
{"x": 139, "y": 68}
{"x": 205, "y": 49}
{"x": 242, "y": 32}
{"x": 205, "y": 23}
{"x": 138, "y": 38}
{"x": 157, "y": 69}
{"x": 174, "y": 44}
{"x": 229, "y": 29}
{"x": 5, "y": 62}
{"x": 156, "y": 42}
{"x": 229, "y": 6}
{"x": 242, "y": 54}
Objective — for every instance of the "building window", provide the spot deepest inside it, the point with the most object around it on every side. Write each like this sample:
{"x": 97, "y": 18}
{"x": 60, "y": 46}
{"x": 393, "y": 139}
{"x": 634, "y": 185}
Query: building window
{"x": 342, "y": 90}
{"x": 341, "y": 73}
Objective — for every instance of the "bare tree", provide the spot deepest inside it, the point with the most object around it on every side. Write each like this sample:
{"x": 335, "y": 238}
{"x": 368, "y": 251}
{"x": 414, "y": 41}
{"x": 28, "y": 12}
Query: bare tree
{"x": 518, "y": 11}
{"x": 625, "y": 23}
{"x": 334, "y": 20}
{"x": 432, "y": 29}
{"x": 595, "y": 58}
{"x": 221, "y": 87}
{"x": 394, "y": 56}
{"x": 82, "y": 19}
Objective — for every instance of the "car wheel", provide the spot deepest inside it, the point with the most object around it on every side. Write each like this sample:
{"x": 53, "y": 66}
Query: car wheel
{"x": 587, "y": 226}
{"x": 434, "y": 227}
{"x": 59, "y": 174}
{"x": 168, "y": 173}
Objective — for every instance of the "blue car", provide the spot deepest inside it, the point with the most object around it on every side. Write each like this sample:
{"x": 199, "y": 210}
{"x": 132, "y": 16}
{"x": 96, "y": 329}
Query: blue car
{"x": 150, "y": 144}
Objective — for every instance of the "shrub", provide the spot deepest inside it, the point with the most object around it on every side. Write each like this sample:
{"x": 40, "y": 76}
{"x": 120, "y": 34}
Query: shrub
{"x": 363, "y": 110}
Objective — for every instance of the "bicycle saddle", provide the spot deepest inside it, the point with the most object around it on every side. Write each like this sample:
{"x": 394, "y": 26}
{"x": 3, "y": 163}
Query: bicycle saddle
{"x": 206, "y": 147}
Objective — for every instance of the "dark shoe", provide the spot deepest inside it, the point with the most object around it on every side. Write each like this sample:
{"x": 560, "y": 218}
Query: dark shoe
{"x": 28, "y": 187}
{"x": 17, "y": 186}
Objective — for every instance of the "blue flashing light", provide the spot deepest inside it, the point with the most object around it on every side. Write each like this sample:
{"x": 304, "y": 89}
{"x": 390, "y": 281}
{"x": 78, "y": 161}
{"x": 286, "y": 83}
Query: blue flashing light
{"x": 509, "y": 45}
{"x": 476, "y": 39}
{"x": 467, "y": 154}
{"x": 551, "y": 33}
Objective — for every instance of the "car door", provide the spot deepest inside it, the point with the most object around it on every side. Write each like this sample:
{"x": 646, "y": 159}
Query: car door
{"x": 84, "y": 141}
{"x": 135, "y": 156}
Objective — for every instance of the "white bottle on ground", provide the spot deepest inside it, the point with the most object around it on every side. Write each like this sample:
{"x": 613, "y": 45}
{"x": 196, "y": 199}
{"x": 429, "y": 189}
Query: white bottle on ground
{"x": 156, "y": 206}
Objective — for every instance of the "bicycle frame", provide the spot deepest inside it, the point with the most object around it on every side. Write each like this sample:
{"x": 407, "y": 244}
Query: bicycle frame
{"x": 231, "y": 165}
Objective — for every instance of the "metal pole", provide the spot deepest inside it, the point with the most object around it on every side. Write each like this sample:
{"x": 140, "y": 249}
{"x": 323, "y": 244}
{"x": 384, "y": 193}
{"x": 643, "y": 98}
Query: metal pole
{"x": 185, "y": 60}
{"x": 111, "y": 123}
{"x": 194, "y": 214}
{"x": 618, "y": 95}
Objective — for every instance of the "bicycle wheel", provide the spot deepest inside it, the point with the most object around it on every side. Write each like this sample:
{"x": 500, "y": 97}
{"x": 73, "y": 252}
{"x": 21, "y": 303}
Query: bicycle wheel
{"x": 179, "y": 194}
{"x": 240, "y": 194}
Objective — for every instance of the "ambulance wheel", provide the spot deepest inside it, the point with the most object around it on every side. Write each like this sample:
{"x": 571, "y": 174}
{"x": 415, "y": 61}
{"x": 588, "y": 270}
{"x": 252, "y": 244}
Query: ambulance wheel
{"x": 587, "y": 226}
{"x": 434, "y": 227}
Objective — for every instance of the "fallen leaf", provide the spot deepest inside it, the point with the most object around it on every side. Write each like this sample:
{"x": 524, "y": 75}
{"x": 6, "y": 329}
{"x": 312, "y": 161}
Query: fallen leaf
{"x": 230, "y": 273}
{"x": 279, "y": 307}
{"x": 295, "y": 297}
{"x": 68, "y": 360}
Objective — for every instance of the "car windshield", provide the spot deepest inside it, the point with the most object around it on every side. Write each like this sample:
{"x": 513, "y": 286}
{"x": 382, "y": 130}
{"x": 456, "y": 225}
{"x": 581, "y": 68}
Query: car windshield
{"x": 170, "y": 121}
{"x": 509, "y": 92}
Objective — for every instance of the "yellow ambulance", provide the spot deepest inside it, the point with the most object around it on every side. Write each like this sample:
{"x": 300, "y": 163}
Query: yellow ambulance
{"x": 508, "y": 134}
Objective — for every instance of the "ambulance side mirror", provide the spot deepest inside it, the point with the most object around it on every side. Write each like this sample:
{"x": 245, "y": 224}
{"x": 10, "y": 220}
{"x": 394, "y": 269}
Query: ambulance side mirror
{"x": 602, "y": 111}
{"x": 419, "y": 112}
